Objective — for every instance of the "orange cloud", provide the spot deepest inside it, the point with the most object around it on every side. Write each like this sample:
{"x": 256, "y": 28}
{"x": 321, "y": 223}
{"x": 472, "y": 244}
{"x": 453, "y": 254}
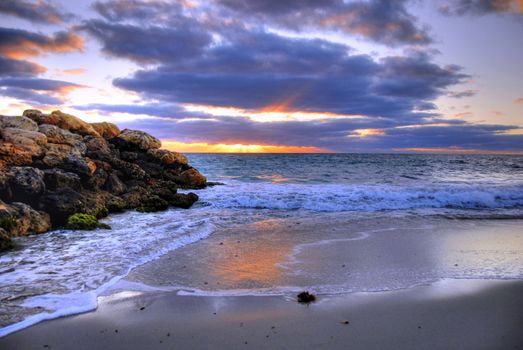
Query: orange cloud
{"x": 22, "y": 46}
{"x": 202, "y": 147}
{"x": 75, "y": 71}
{"x": 519, "y": 100}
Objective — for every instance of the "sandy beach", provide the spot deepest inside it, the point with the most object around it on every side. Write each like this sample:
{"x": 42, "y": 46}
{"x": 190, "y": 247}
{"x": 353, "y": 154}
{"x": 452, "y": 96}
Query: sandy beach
{"x": 236, "y": 289}
{"x": 448, "y": 315}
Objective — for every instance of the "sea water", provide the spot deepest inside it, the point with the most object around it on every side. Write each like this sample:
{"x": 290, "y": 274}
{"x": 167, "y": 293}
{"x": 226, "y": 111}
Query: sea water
{"x": 62, "y": 272}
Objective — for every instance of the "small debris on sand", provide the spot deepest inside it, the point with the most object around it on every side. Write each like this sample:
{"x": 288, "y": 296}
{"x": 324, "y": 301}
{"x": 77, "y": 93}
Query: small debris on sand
{"x": 345, "y": 322}
{"x": 306, "y": 297}
{"x": 142, "y": 308}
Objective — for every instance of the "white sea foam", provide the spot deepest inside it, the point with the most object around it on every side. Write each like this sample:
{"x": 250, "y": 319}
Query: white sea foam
{"x": 347, "y": 197}
{"x": 66, "y": 271}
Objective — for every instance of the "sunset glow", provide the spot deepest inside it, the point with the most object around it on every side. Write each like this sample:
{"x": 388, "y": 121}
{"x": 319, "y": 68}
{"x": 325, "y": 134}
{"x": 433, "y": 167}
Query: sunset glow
{"x": 202, "y": 147}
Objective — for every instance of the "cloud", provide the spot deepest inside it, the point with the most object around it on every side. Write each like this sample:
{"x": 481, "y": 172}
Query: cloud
{"x": 40, "y": 11}
{"x": 383, "y": 21}
{"x": 121, "y": 10}
{"x": 481, "y": 7}
{"x": 18, "y": 43}
{"x": 148, "y": 44}
{"x": 462, "y": 94}
{"x": 164, "y": 110}
{"x": 254, "y": 70}
{"x": 36, "y": 91}
{"x": 518, "y": 100}
{"x": 30, "y": 97}
{"x": 16, "y": 68}
{"x": 337, "y": 135}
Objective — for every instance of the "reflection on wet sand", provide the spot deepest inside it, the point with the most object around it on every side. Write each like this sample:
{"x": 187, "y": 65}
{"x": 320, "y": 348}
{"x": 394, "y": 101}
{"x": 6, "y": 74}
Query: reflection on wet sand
{"x": 251, "y": 261}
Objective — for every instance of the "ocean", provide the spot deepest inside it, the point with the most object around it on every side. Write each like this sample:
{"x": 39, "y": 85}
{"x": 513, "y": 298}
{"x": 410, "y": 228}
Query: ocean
{"x": 394, "y": 218}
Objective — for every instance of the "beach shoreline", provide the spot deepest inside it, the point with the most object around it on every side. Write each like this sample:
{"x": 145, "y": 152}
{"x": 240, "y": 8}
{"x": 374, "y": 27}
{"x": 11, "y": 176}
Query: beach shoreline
{"x": 451, "y": 314}
{"x": 239, "y": 282}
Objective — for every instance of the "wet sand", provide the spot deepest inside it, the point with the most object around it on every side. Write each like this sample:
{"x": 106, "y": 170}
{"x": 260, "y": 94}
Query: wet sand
{"x": 334, "y": 256}
{"x": 448, "y": 315}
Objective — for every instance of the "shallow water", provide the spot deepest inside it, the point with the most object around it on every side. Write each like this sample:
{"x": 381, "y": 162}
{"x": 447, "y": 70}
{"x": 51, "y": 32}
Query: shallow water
{"x": 62, "y": 271}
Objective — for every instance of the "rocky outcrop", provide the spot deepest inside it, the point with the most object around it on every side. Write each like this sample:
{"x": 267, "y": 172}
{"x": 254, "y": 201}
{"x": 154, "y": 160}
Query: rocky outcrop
{"x": 106, "y": 130}
{"x": 56, "y": 165}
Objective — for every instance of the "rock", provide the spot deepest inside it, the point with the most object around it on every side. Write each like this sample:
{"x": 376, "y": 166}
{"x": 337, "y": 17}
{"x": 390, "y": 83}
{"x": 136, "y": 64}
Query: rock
{"x": 135, "y": 139}
{"x": 63, "y": 121}
{"x": 19, "y": 219}
{"x": 57, "y": 178}
{"x": 184, "y": 201}
{"x": 168, "y": 158}
{"x": 24, "y": 184}
{"x": 80, "y": 165}
{"x": 30, "y": 141}
{"x": 6, "y": 243}
{"x": 106, "y": 130}
{"x": 114, "y": 185}
{"x": 84, "y": 222}
{"x": 129, "y": 170}
{"x": 29, "y": 220}
{"x": 18, "y": 123}
{"x": 34, "y": 114}
{"x": 61, "y": 204}
{"x": 56, "y": 154}
{"x": 98, "y": 148}
{"x": 60, "y": 136}
{"x": 11, "y": 154}
{"x": 192, "y": 178}
{"x": 116, "y": 205}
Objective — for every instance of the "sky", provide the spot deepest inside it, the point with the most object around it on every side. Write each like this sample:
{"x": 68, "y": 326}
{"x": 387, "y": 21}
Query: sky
{"x": 275, "y": 75}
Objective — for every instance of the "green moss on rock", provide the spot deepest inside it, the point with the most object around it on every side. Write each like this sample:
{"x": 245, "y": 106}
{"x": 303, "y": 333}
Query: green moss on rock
{"x": 6, "y": 243}
{"x": 85, "y": 222}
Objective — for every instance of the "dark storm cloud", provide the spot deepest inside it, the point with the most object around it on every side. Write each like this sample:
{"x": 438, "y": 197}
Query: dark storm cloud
{"x": 18, "y": 43}
{"x": 383, "y": 21}
{"x": 481, "y": 7}
{"x": 256, "y": 69}
{"x": 148, "y": 44}
{"x": 17, "y": 68}
{"x": 35, "y": 11}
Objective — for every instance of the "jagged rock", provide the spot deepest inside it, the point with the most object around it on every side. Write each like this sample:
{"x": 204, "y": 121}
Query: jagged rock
{"x": 184, "y": 201}
{"x": 135, "y": 139}
{"x": 83, "y": 166}
{"x": 192, "y": 178}
{"x": 167, "y": 158}
{"x": 114, "y": 185}
{"x": 18, "y": 123}
{"x": 62, "y": 203}
{"x": 6, "y": 243}
{"x": 63, "y": 121}
{"x": 98, "y": 148}
{"x": 13, "y": 155}
{"x": 19, "y": 219}
{"x": 30, "y": 220}
{"x": 56, "y": 178}
{"x": 129, "y": 170}
{"x": 106, "y": 130}
{"x": 30, "y": 141}
{"x": 24, "y": 184}
{"x": 56, "y": 135}
{"x": 34, "y": 114}
{"x": 77, "y": 169}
